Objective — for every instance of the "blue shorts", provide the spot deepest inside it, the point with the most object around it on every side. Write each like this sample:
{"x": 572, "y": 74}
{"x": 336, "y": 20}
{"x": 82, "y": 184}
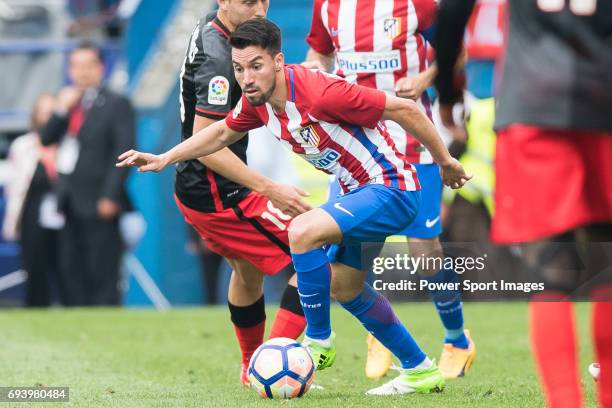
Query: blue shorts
{"x": 427, "y": 222}
{"x": 369, "y": 214}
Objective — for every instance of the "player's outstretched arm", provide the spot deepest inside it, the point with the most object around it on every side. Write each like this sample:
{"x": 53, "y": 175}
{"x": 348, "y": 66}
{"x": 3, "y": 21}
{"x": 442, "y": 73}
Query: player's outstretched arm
{"x": 286, "y": 198}
{"x": 209, "y": 140}
{"x": 407, "y": 114}
{"x": 289, "y": 199}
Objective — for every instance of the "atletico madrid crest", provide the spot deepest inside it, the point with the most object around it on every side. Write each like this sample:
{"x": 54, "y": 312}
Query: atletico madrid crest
{"x": 392, "y": 26}
{"x": 310, "y": 136}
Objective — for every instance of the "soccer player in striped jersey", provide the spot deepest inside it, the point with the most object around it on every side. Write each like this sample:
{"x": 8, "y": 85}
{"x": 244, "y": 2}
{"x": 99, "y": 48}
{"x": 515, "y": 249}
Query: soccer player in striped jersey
{"x": 383, "y": 44}
{"x": 242, "y": 215}
{"x": 336, "y": 127}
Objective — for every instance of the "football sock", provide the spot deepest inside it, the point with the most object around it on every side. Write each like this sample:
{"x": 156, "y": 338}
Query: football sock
{"x": 553, "y": 340}
{"x": 449, "y": 307}
{"x": 249, "y": 326}
{"x": 289, "y": 321}
{"x": 375, "y": 313}
{"x": 602, "y": 334}
{"x": 313, "y": 274}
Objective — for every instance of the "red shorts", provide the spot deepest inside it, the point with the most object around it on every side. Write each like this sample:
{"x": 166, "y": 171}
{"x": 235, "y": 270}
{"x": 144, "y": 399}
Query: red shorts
{"x": 549, "y": 182}
{"x": 254, "y": 231}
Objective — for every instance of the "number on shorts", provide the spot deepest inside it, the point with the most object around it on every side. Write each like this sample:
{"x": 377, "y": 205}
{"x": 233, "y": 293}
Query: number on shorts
{"x": 274, "y": 215}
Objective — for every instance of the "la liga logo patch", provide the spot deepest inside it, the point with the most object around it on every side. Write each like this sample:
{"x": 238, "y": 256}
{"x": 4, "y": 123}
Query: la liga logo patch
{"x": 218, "y": 90}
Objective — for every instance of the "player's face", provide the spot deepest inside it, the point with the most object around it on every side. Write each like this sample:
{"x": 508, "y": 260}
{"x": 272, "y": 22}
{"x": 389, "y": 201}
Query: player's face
{"x": 86, "y": 70}
{"x": 239, "y": 11}
{"x": 255, "y": 70}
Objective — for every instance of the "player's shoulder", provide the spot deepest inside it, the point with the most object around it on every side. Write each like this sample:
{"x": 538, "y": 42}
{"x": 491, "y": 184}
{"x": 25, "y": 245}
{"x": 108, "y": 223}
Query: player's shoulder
{"x": 318, "y": 88}
{"x": 312, "y": 78}
{"x": 214, "y": 37}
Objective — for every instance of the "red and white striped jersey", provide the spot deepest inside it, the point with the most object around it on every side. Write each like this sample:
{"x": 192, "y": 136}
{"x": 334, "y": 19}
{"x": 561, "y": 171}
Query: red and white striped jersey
{"x": 377, "y": 42}
{"x": 335, "y": 126}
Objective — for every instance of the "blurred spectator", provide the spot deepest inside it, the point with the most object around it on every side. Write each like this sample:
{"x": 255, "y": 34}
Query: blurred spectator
{"x": 93, "y": 126}
{"x": 94, "y": 18}
{"x": 30, "y": 216}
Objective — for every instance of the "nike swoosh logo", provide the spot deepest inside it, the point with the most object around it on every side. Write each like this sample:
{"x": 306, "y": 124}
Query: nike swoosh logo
{"x": 302, "y": 295}
{"x": 430, "y": 223}
{"x": 339, "y": 207}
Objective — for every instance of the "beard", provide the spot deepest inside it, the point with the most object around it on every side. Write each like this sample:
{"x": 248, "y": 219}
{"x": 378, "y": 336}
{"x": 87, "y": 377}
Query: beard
{"x": 263, "y": 97}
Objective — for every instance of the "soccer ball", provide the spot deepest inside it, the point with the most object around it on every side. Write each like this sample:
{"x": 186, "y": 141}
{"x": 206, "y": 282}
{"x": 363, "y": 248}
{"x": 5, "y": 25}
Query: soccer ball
{"x": 281, "y": 368}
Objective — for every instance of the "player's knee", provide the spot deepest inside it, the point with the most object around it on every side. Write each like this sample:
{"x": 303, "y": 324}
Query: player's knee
{"x": 302, "y": 236}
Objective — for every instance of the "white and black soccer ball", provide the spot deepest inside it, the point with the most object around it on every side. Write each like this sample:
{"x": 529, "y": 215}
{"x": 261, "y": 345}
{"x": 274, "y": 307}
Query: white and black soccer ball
{"x": 281, "y": 368}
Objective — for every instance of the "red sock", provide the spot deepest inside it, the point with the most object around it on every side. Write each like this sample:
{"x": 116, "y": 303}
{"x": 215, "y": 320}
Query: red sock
{"x": 249, "y": 326}
{"x": 602, "y": 334}
{"x": 290, "y": 321}
{"x": 553, "y": 341}
{"x": 249, "y": 338}
{"x": 287, "y": 324}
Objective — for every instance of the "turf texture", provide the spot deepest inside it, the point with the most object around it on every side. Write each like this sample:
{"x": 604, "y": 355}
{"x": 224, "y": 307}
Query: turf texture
{"x": 189, "y": 358}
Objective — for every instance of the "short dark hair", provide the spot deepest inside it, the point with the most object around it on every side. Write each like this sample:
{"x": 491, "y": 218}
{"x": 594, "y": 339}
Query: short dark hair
{"x": 259, "y": 32}
{"x": 90, "y": 46}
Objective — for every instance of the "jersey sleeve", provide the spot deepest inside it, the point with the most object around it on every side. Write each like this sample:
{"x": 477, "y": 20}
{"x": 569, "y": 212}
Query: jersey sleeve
{"x": 244, "y": 117}
{"x": 426, "y": 11}
{"x": 348, "y": 103}
{"x": 318, "y": 37}
{"x": 214, "y": 81}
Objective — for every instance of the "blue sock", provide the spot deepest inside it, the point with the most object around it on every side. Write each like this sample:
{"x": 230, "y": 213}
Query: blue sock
{"x": 375, "y": 313}
{"x": 313, "y": 274}
{"x": 449, "y": 307}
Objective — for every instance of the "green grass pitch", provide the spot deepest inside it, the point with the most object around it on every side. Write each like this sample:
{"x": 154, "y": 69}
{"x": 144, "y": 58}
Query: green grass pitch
{"x": 189, "y": 358}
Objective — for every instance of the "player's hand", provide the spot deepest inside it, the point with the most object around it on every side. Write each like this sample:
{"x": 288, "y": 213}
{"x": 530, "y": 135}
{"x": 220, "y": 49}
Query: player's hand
{"x": 453, "y": 174}
{"x": 288, "y": 199}
{"x": 68, "y": 97}
{"x": 411, "y": 87}
{"x": 448, "y": 120}
{"x": 142, "y": 161}
{"x": 314, "y": 64}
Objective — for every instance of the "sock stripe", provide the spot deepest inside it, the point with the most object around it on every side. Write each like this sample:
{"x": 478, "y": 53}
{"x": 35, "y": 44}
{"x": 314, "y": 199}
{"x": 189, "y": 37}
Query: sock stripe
{"x": 248, "y": 316}
{"x": 291, "y": 301}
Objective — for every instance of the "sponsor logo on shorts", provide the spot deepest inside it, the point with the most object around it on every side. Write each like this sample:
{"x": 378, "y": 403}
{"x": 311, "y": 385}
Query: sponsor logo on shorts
{"x": 430, "y": 223}
{"x": 339, "y": 207}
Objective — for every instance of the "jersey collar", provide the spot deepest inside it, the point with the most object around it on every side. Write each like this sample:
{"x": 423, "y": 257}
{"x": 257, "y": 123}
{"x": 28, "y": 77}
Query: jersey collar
{"x": 220, "y": 27}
